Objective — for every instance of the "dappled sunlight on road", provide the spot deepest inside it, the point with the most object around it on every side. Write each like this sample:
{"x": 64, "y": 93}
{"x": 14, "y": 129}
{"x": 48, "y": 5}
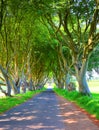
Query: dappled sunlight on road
{"x": 69, "y": 121}
{"x": 74, "y": 118}
{"x": 41, "y": 112}
{"x": 41, "y": 126}
{"x": 46, "y": 111}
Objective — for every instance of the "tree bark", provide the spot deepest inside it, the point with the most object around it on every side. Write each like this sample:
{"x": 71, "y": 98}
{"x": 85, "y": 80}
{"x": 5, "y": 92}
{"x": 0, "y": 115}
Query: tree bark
{"x": 8, "y": 86}
{"x": 30, "y": 85}
{"x": 83, "y": 86}
{"x": 2, "y": 6}
{"x": 5, "y": 74}
{"x": 67, "y": 81}
{"x": 15, "y": 88}
{"x": 81, "y": 77}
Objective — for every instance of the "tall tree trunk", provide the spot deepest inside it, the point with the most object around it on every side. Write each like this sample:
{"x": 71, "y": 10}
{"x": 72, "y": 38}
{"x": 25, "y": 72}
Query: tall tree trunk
{"x": 81, "y": 77}
{"x": 83, "y": 86}
{"x": 14, "y": 87}
{"x": 59, "y": 82}
{"x": 5, "y": 75}
{"x": 67, "y": 80}
{"x": 2, "y": 7}
{"x": 30, "y": 87}
{"x": 8, "y": 86}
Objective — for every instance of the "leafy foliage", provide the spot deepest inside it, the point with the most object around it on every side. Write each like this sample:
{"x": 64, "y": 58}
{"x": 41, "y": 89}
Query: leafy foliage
{"x": 42, "y": 37}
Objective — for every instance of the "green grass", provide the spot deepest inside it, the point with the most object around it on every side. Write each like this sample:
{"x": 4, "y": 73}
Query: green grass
{"x": 90, "y": 104}
{"x": 93, "y": 85}
{"x": 7, "y": 103}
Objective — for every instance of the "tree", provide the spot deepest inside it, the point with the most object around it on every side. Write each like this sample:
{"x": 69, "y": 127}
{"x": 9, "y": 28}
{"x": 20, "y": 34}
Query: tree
{"x": 16, "y": 40}
{"x": 39, "y": 37}
{"x": 76, "y": 22}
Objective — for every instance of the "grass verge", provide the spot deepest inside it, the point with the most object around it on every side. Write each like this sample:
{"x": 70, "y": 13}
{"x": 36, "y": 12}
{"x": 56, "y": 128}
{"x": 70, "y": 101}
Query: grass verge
{"x": 90, "y": 104}
{"x": 7, "y": 103}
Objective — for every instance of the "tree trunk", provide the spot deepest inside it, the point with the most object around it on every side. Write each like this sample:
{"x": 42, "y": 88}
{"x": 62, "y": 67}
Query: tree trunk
{"x": 59, "y": 82}
{"x": 30, "y": 85}
{"x": 15, "y": 88}
{"x": 67, "y": 80}
{"x": 81, "y": 77}
{"x": 8, "y": 87}
{"x": 83, "y": 86}
{"x": 5, "y": 75}
{"x": 2, "y": 7}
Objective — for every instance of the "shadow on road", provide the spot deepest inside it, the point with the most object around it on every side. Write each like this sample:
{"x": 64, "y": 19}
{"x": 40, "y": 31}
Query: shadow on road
{"x": 40, "y": 113}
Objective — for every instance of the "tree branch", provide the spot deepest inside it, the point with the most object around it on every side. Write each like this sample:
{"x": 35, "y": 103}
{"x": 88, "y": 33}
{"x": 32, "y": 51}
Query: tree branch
{"x": 3, "y": 91}
{"x": 94, "y": 23}
{"x": 60, "y": 21}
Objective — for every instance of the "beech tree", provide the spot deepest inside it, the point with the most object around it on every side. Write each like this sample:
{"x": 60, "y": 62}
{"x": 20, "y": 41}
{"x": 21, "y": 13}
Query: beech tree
{"x": 76, "y": 21}
{"x": 16, "y": 42}
{"x": 39, "y": 37}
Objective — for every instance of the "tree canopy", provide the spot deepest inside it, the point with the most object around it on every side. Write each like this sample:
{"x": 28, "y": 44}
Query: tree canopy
{"x": 39, "y": 38}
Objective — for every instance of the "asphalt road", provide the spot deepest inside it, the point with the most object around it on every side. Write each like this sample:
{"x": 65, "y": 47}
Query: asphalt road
{"x": 42, "y": 112}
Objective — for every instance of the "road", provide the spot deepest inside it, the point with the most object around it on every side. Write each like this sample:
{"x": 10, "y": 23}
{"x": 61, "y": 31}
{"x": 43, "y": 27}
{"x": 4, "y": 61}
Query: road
{"x": 47, "y": 111}
{"x": 42, "y": 112}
